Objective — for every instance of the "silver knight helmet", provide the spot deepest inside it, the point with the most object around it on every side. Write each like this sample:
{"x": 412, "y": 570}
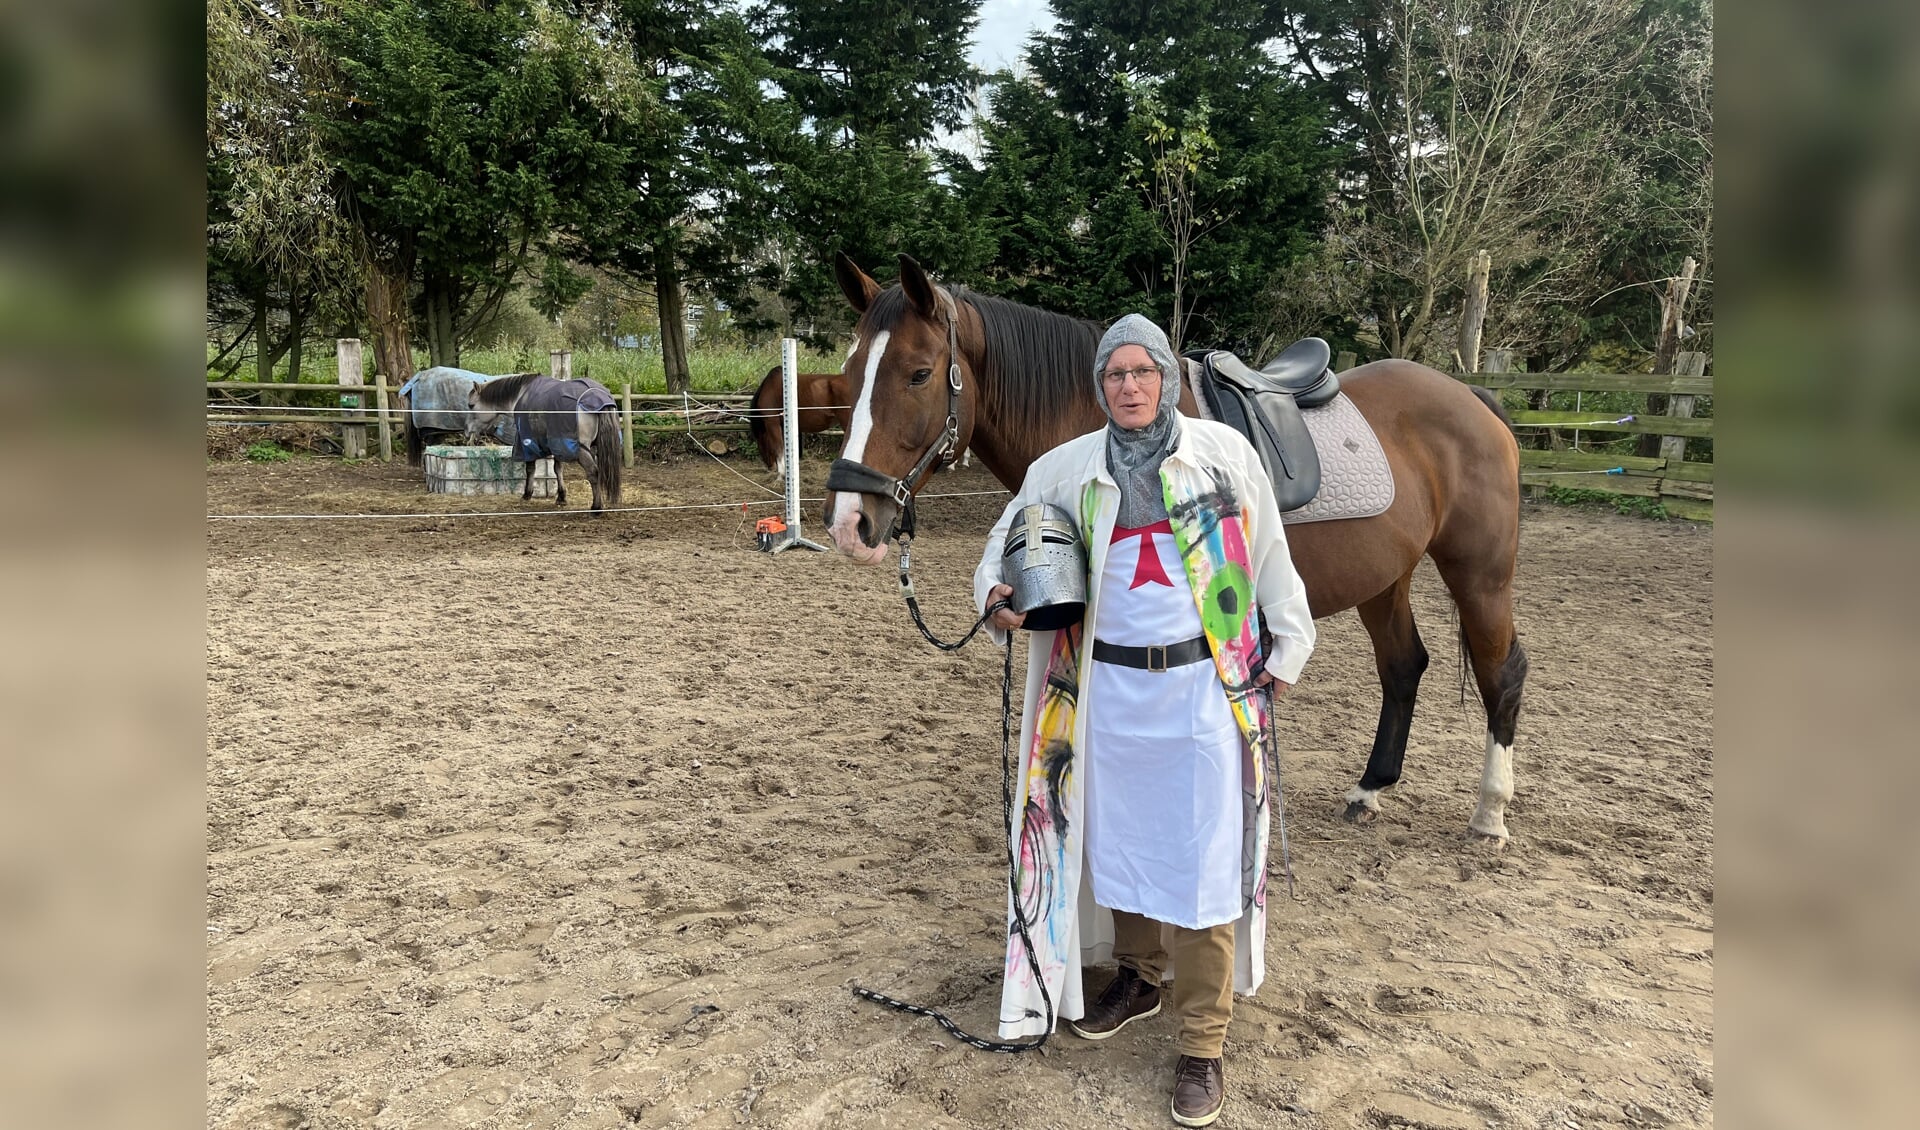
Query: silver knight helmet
{"x": 1046, "y": 564}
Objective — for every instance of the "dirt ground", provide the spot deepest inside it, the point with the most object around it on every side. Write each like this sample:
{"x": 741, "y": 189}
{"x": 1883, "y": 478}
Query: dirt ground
{"x": 557, "y": 822}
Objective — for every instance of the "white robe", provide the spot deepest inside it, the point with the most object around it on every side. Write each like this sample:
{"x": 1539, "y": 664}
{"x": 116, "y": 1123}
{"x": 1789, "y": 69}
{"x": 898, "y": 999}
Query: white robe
{"x": 1163, "y": 763}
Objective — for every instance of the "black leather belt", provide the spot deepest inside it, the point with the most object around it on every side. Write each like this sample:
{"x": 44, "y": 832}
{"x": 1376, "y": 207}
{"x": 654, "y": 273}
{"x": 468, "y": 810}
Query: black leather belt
{"x": 1154, "y": 657}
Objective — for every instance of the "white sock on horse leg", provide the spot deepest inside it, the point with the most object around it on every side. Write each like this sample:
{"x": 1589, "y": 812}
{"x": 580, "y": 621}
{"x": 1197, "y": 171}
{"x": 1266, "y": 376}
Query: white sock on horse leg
{"x": 1496, "y": 789}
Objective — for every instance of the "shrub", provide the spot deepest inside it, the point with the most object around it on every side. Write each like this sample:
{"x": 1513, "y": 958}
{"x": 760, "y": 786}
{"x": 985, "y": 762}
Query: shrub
{"x": 1632, "y": 505}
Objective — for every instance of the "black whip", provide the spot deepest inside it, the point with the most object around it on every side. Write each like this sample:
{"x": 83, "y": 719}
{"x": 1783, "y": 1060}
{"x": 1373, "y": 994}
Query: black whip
{"x": 1279, "y": 798}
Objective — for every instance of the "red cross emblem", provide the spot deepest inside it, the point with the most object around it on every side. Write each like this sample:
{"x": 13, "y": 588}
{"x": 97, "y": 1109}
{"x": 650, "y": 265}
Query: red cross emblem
{"x": 1147, "y": 570}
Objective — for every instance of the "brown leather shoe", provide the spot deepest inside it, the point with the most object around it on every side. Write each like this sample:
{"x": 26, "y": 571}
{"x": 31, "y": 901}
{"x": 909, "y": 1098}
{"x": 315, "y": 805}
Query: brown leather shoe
{"x": 1199, "y": 1091}
{"x": 1127, "y": 998}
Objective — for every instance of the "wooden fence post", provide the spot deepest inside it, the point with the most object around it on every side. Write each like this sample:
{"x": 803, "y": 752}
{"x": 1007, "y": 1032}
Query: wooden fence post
{"x": 626, "y": 424}
{"x": 1673, "y": 310}
{"x": 1673, "y": 449}
{"x": 560, "y": 365}
{"x": 353, "y": 437}
{"x": 386, "y": 422}
{"x": 1346, "y": 360}
{"x": 1666, "y": 346}
{"x": 1473, "y": 314}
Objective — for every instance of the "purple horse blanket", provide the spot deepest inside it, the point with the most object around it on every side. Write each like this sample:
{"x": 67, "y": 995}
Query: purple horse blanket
{"x": 545, "y": 422}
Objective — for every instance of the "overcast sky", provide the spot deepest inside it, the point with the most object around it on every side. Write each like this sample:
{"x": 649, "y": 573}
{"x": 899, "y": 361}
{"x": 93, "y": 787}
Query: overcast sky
{"x": 1004, "y": 27}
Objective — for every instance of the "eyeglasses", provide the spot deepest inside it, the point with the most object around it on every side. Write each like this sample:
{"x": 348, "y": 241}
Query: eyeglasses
{"x": 1140, "y": 376}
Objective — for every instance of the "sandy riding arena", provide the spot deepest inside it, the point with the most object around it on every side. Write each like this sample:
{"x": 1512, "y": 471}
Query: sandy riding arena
{"x": 560, "y": 822}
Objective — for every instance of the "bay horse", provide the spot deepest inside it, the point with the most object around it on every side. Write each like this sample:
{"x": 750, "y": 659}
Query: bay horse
{"x": 1025, "y": 385}
{"x": 573, "y": 421}
{"x": 823, "y": 403}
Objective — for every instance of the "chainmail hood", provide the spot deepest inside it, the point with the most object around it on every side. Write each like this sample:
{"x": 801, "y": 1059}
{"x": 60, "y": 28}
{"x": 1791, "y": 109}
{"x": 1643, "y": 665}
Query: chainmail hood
{"x": 1134, "y": 454}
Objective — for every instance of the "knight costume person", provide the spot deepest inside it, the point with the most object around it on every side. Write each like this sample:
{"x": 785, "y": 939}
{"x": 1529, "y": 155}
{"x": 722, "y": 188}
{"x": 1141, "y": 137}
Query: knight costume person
{"x": 1142, "y": 802}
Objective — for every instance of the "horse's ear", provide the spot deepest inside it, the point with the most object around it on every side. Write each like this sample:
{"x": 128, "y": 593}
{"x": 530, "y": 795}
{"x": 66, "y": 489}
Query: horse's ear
{"x": 855, "y": 283}
{"x": 918, "y": 287}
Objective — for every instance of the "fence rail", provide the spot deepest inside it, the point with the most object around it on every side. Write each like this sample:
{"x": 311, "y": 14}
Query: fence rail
{"x": 662, "y": 398}
{"x": 1684, "y": 488}
{"x": 354, "y": 399}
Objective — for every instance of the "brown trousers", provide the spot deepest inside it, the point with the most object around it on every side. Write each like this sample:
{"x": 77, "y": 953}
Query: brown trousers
{"x": 1203, "y": 975}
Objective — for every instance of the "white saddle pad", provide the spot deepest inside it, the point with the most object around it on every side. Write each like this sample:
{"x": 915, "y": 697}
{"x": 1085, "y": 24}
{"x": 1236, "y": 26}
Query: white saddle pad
{"x": 1355, "y": 480}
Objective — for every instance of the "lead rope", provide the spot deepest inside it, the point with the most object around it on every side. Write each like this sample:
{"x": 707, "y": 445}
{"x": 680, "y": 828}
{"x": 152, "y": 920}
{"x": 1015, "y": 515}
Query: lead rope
{"x": 1279, "y": 797}
{"x": 1006, "y": 810}
{"x": 913, "y": 604}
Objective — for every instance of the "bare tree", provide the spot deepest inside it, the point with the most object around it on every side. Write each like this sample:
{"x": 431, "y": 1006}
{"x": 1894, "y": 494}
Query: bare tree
{"x": 1497, "y": 128}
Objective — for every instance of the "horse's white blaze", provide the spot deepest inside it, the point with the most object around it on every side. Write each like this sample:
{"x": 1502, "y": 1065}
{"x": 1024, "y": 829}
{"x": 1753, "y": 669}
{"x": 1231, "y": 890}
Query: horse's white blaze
{"x": 1368, "y": 799}
{"x": 862, "y": 425}
{"x": 844, "y": 522}
{"x": 1496, "y": 789}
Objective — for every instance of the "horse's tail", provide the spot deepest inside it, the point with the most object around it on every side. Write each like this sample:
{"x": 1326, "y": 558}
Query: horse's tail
{"x": 607, "y": 454}
{"x": 1493, "y": 405}
{"x": 416, "y": 441}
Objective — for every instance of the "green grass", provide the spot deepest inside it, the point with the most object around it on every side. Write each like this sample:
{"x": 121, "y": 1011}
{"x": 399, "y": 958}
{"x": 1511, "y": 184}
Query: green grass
{"x": 1632, "y": 505}
{"x": 266, "y": 451}
{"x": 713, "y": 369}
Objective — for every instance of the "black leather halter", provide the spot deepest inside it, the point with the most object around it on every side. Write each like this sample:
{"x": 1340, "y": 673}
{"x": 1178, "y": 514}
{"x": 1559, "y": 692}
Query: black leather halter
{"x": 858, "y": 478}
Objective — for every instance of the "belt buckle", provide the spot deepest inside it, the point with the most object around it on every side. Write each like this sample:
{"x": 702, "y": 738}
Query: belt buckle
{"x": 1156, "y": 657}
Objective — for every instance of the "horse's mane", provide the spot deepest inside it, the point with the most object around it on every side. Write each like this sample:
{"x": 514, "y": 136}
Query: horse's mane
{"x": 1038, "y": 364}
{"x": 503, "y": 391}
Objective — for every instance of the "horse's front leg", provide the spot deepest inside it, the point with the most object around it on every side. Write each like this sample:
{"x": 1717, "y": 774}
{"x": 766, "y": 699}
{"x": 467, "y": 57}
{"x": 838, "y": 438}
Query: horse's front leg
{"x": 526, "y": 493}
{"x": 559, "y": 484}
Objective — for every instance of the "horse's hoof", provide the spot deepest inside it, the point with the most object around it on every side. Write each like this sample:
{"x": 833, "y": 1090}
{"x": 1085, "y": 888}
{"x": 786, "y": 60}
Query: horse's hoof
{"x": 1488, "y": 840}
{"x": 1363, "y": 805}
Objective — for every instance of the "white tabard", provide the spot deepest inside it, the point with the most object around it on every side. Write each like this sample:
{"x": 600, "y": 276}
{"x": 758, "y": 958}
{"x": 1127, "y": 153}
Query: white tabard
{"x": 1163, "y": 807}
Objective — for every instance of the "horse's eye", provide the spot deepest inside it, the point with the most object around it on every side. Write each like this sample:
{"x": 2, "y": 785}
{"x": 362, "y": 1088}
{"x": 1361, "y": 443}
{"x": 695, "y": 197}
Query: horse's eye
{"x": 922, "y": 376}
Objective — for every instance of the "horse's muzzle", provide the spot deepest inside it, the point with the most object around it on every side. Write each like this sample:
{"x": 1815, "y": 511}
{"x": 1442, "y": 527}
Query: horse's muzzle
{"x": 861, "y": 525}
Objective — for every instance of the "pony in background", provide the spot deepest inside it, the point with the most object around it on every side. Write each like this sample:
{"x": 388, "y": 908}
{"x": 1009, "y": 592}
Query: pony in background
{"x": 573, "y": 421}
{"x": 437, "y": 408}
{"x": 823, "y": 402}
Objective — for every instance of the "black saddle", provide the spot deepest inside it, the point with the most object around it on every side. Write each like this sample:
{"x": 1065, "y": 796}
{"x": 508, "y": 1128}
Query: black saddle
{"x": 1303, "y": 369}
{"x": 1264, "y": 405}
